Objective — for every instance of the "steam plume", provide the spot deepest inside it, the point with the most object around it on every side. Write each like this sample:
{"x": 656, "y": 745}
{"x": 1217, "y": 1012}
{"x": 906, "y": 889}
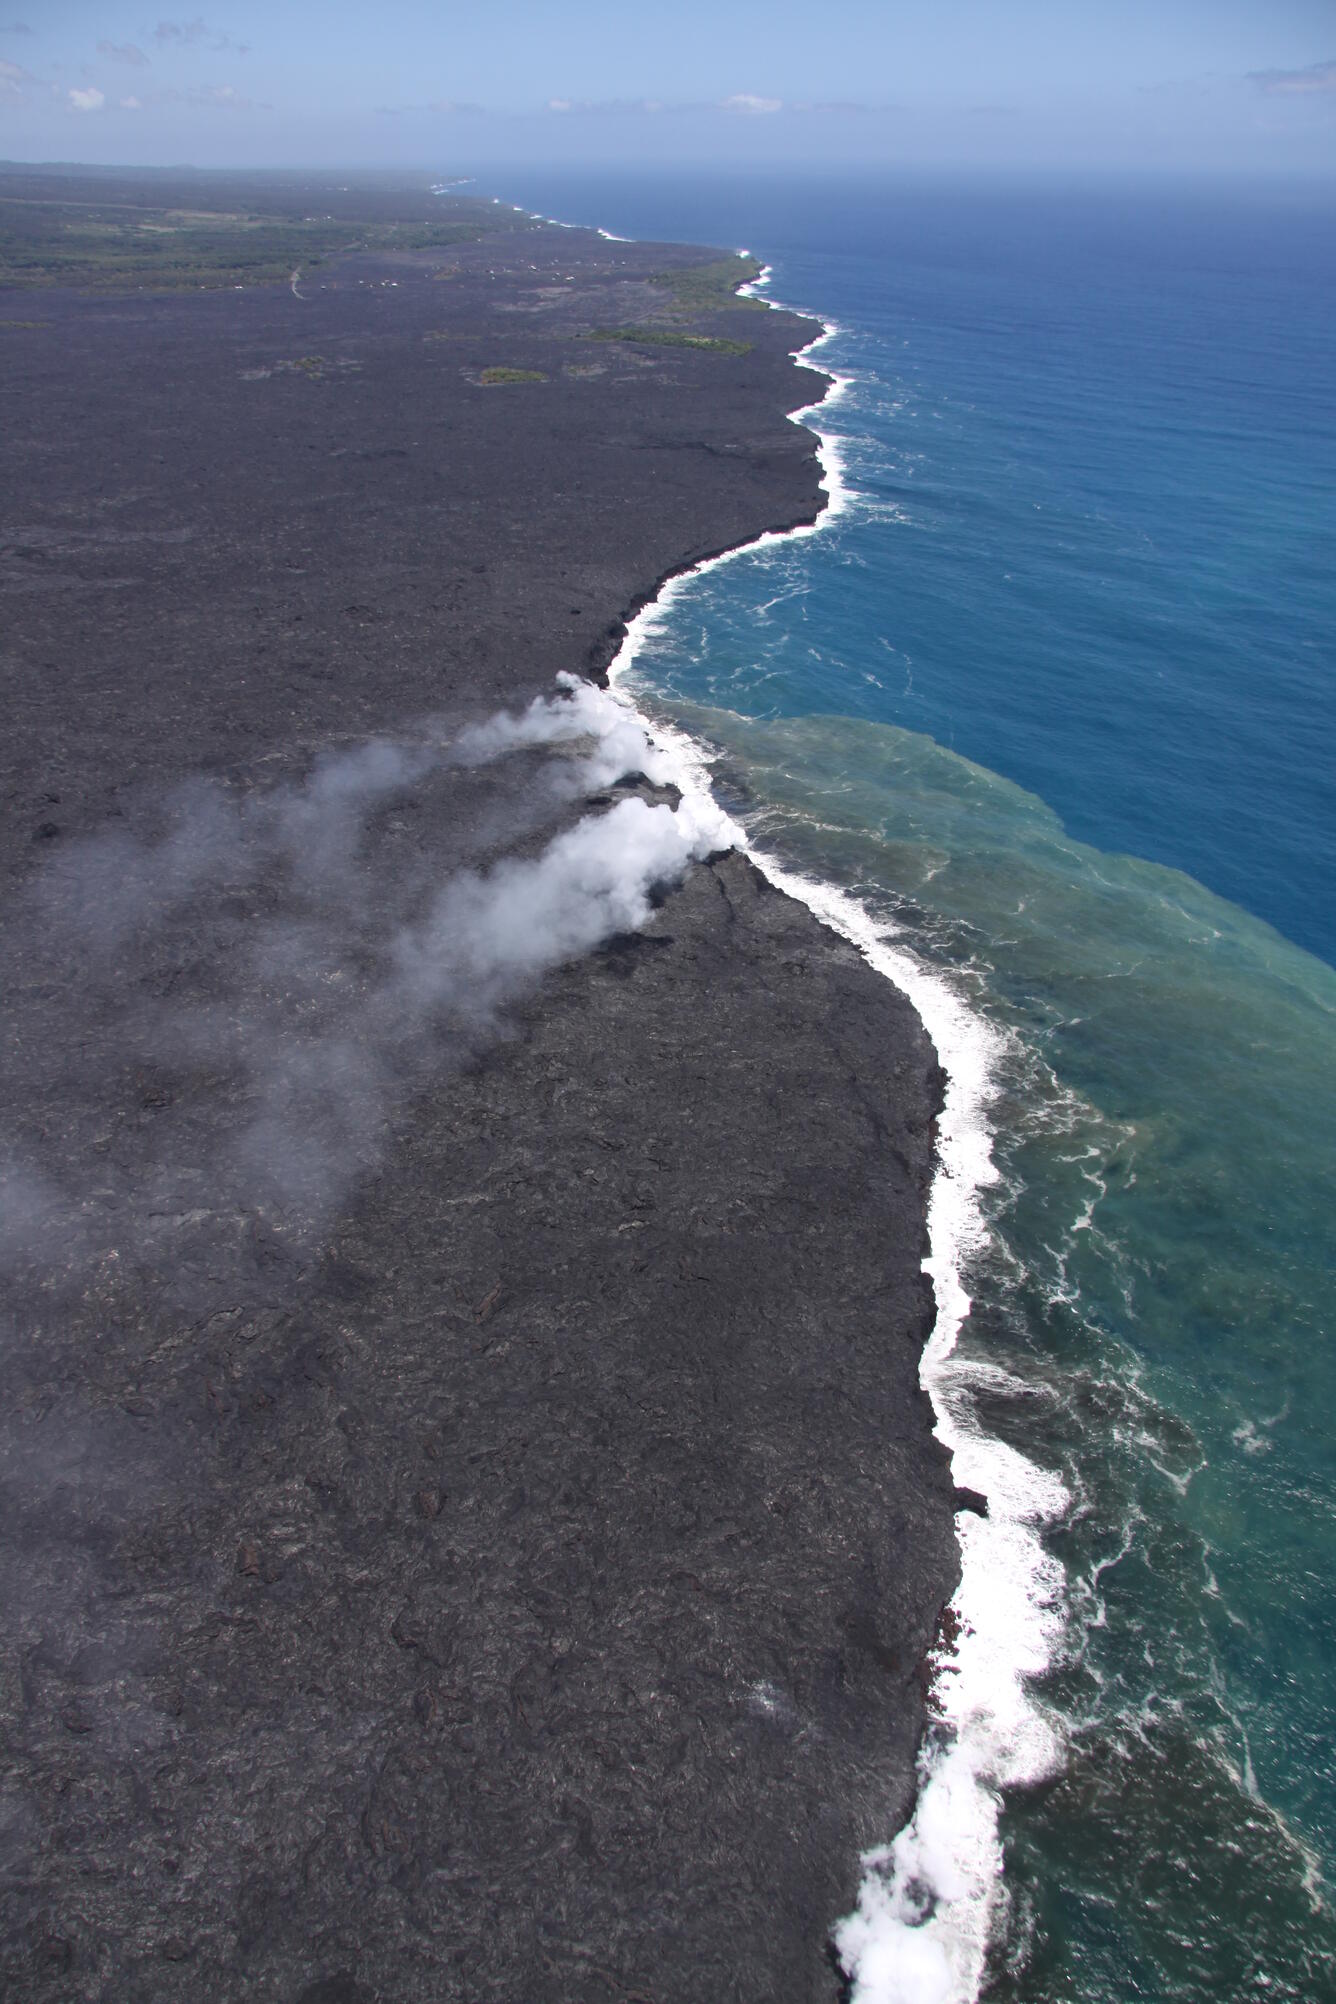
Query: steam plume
{"x": 334, "y": 975}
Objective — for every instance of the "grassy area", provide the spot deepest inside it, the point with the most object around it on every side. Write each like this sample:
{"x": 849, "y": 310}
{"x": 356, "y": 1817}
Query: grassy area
{"x": 694, "y": 289}
{"x": 493, "y": 376}
{"x": 671, "y": 337}
{"x": 708, "y": 287}
{"x": 107, "y": 236}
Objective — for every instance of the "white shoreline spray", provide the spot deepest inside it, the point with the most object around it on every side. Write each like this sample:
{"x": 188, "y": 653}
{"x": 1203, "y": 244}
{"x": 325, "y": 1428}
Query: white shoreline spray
{"x": 930, "y": 1900}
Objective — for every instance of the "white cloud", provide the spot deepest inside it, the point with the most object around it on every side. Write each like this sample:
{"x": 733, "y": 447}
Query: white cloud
{"x": 443, "y": 107}
{"x": 181, "y": 31}
{"x": 224, "y": 97}
{"x": 13, "y": 77}
{"x": 614, "y": 107}
{"x": 193, "y": 34}
{"x": 751, "y": 106}
{"x": 130, "y": 104}
{"x": 86, "y": 100}
{"x": 1319, "y": 79}
{"x": 123, "y": 52}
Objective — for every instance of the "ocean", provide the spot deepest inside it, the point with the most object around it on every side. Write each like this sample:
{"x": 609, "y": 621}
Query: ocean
{"x": 1044, "y": 714}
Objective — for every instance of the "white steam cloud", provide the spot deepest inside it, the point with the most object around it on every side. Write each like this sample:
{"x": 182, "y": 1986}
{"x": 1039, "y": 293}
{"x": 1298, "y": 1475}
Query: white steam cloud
{"x": 265, "y": 944}
{"x": 620, "y": 744}
{"x": 489, "y": 935}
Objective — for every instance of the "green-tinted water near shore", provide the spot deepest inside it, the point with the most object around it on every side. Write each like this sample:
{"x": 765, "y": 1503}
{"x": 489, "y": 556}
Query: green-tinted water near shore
{"x": 1150, "y": 1310}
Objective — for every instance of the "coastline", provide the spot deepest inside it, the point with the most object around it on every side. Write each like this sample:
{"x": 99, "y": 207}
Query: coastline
{"x": 797, "y": 1718}
{"x": 927, "y": 1905}
{"x": 647, "y": 608}
{"x": 929, "y": 1901}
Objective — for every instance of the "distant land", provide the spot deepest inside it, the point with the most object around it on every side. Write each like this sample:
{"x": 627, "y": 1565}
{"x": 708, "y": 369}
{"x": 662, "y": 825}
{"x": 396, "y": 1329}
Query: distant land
{"x": 173, "y": 230}
{"x": 473, "y": 1526}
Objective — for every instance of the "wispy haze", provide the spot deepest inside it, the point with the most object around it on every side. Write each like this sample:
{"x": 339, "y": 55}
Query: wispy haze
{"x": 1231, "y": 85}
{"x": 353, "y": 985}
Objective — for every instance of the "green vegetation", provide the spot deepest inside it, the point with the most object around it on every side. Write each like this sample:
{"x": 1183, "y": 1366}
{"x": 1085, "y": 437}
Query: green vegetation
{"x": 671, "y": 337}
{"x": 177, "y": 252}
{"x": 114, "y": 230}
{"x": 184, "y": 232}
{"x": 710, "y": 287}
{"x": 695, "y": 289}
{"x": 499, "y": 375}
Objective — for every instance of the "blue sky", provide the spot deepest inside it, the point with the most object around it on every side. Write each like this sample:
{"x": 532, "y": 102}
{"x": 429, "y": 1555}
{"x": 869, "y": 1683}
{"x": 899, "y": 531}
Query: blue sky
{"x": 1233, "y": 85}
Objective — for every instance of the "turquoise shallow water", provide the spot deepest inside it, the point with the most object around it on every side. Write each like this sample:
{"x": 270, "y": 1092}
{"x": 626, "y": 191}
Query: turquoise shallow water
{"x": 1055, "y": 697}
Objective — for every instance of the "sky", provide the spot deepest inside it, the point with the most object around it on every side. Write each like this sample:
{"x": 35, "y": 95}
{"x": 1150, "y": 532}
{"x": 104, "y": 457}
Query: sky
{"x": 1187, "y": 85}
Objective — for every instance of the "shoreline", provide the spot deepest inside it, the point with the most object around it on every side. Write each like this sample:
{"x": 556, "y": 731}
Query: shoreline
{"x": 978, "y": 1738}
{"x": 886, "y": 1937}
{"x": 887, "y": 1941}
{"x": 659, "y": 597}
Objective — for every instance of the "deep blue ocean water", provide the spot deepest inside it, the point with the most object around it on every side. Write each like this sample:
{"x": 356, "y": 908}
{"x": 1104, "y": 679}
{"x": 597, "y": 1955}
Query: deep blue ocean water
{"x": 1054, "y": 697}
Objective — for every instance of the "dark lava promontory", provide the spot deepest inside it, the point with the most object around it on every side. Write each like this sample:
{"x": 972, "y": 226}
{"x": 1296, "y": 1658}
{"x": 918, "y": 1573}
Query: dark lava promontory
{"x": 505, "y": 1569}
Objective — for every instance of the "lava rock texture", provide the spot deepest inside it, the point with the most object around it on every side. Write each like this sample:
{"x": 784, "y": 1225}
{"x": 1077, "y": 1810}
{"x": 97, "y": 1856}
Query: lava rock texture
{"x": 504, "y": 1570}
